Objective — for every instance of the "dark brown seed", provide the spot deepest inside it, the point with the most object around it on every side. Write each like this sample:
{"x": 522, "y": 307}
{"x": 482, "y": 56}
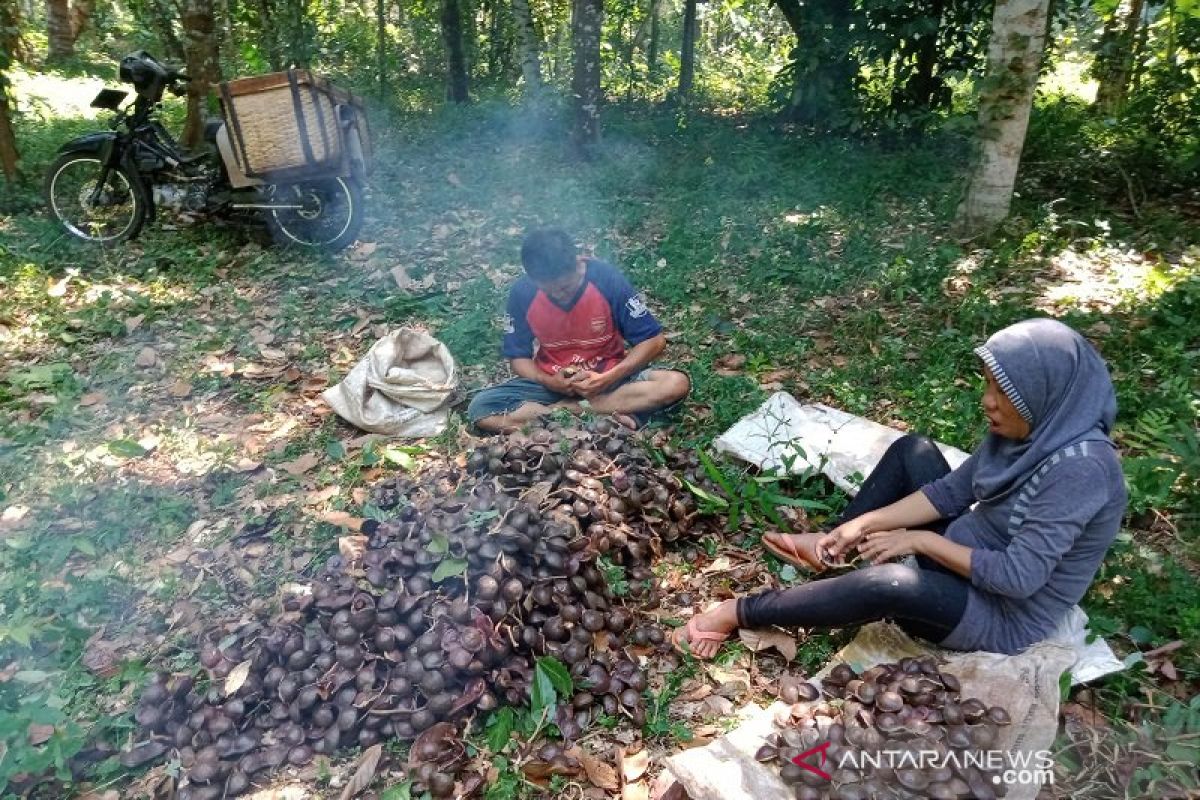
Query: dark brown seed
{"x": 766, "y": 753}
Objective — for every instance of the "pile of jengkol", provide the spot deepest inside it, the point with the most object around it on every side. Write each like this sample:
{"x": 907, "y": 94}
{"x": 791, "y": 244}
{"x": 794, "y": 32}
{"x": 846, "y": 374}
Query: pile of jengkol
{"x": 898, "y": 730}
{"x": 470, "y": 577}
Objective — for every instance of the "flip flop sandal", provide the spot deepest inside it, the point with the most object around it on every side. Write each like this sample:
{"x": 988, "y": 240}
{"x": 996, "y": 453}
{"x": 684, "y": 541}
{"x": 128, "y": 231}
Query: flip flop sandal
{"x": 792, "y": 556}
{"x": 695, "y": 635}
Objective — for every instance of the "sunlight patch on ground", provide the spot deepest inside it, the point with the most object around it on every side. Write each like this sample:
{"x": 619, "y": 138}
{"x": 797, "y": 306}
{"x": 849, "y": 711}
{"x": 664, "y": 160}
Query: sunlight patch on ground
{"x": 55, "y": 95}
{"x": 1104, "y": 277}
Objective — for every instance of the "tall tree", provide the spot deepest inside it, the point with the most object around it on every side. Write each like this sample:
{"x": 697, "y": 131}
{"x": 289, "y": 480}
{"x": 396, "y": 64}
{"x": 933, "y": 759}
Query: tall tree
{"x": 655, "y": 39}
{"x": 1115, "y": 56}
{"x": 10, "y": 46}
{"x": 1005, "y": 100}
{"x": 528, "y": 46}
{"x": 822, "y": 66}
{"x": 203, "y": 66}
{"x": 586, "y": 19}
{"x": 381, "y": 45}
{"x": 81, "y": 14}
{"x": 58, "y": 30}
{"x": 687, "y": 50}
{"x": 456, "y": 52}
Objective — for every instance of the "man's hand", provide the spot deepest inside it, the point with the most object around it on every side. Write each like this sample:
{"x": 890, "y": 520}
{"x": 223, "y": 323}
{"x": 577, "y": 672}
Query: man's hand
{"x": 589, "y": 384}
{"x": 555, "y": 382}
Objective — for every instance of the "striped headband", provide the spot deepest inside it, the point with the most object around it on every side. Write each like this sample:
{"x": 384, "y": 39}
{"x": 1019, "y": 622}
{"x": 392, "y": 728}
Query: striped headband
{"x": 1006, "y": 384}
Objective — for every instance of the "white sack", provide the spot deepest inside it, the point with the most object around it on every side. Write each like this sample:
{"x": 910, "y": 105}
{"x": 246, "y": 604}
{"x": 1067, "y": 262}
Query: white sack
{"x": 401, "y": 387}
{"x": 1027, "y": 685}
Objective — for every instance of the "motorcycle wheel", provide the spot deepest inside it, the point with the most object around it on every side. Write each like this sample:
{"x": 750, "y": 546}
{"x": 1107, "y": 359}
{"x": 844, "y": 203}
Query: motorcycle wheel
{"x": 329, "y": 216}
{"x": 120, "y": 212}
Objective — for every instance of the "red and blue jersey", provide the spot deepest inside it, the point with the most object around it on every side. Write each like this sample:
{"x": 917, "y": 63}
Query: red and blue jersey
{"x": 590, "y": 333}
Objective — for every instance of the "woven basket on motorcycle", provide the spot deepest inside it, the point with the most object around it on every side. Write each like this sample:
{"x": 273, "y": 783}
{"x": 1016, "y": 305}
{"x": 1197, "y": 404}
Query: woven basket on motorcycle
{"x": 293, "y": 124}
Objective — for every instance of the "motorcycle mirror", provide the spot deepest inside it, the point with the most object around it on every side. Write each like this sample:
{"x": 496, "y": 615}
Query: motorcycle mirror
{"x": 109, "y": 99}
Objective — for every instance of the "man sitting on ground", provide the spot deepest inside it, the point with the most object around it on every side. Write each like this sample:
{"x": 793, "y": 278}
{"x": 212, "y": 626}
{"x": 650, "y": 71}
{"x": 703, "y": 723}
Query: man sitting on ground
{"x": 569, "y": 320}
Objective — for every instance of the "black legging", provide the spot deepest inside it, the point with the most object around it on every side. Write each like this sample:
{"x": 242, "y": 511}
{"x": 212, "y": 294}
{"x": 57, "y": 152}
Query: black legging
{"x": 927, "y": 601}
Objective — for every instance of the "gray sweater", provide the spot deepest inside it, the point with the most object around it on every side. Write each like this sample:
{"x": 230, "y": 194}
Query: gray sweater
{"x": 1035, "y": 551}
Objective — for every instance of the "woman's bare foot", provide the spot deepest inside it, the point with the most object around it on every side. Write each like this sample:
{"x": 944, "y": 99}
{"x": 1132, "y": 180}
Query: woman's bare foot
{"x": 704, "y": 633}
{"x": 797, "y": 549}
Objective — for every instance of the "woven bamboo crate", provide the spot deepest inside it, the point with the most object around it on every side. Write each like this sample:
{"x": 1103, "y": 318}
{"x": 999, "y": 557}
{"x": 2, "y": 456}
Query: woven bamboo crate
{"x": 287, "y": 124}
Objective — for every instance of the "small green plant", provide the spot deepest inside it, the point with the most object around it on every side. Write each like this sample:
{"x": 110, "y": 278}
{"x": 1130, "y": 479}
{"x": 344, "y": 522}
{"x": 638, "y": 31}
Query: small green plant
{"x": 658, "y": 704}
{"x": 742, "y": 495}
{"x": 614, "y": 576}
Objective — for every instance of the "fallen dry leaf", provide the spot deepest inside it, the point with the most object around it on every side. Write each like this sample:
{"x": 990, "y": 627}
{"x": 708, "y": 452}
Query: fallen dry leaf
{"x": 40, "y": 734}
{"x": 342, "y": 519}
{"x": 301, "y": 465}
{"x": 364, "y": 771}
{"x": 146, "y": 357}
{"x": 600, "y": 773}
{"x": 316, "y": 498}
{"x": 635, "y": 791}
{"x": 634, "y": 765}
{"x": 758, "y": 640}
{"x": 352, "y": 548}
{"x": 236, "y": 677}
{"x": 717, "y": 706}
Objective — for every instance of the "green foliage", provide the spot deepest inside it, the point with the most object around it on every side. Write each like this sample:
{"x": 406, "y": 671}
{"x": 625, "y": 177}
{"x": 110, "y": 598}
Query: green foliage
{"x": 737, "y": 494}
{"x": 658, "y": 704}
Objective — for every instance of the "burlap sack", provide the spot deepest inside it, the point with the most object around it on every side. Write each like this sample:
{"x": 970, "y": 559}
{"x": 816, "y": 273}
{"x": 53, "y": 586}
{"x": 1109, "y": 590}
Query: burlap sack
{"x": 1026, "y": 684}
{"x": 401, "y": 388}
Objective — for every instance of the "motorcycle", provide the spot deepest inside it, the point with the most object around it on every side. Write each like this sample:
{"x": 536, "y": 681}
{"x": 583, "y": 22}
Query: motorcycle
{"x": 105, "y": 186}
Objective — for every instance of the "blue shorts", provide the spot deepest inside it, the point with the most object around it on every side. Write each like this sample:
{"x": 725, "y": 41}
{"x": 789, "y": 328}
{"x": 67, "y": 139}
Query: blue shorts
{"x": 511, "y": 394}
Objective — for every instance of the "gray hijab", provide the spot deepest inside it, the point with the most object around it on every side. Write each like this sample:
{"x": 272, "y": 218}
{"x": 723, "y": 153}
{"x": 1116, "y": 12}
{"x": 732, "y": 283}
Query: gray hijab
{"x": 1059, "y": 384}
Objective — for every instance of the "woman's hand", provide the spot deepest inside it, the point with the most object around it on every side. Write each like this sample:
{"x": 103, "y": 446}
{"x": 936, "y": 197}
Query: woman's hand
{"x": 883, "y": 546}
{"x": 841, "y": 538}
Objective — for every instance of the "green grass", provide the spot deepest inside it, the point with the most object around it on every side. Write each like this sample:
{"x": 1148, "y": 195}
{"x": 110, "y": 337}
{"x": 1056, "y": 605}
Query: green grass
{"x": 824, "y": 260}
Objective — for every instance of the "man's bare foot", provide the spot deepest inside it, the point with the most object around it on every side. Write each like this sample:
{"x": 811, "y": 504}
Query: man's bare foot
{"x": 705, "y": 633}
{"x": 797, "y": 549}
{"x": 626, "y": 420}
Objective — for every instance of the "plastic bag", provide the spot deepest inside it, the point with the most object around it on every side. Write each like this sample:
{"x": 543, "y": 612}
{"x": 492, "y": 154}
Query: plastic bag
{"x": 400, "y": 388}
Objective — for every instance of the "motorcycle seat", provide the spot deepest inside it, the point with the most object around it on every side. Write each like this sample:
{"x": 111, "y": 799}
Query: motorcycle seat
{"x": 211, "y": 127}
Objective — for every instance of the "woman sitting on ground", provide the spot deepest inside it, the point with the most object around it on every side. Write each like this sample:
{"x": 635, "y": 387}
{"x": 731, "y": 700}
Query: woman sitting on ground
{"x": 1047, "y": 494}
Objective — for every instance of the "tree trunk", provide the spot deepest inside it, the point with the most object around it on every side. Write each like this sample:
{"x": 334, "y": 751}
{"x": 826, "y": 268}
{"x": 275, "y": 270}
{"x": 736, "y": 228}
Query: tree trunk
{"x": 586, "y": 19}
{"x": 200, "y": 33}
{"x": 8, "y": 139}
{"x": 925, "y": 90}
{"x": 10, "y": 39}
{"x": 81, "y": 13}
{"x": 1114, "y": 61}
{"x": 687, "y": 51}
{"x": 655, "y": 37}
{"x": 58, "y": 30}
{"x": 381, "y": 45}
{"x": 529, "y": 46}
{"x": 456, "y": 55}
{"x": 266, "y": 19}
{"x": 161, "y": 19}
{"x": 822, "y": 69}
{"x": 1014, "y": 57}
